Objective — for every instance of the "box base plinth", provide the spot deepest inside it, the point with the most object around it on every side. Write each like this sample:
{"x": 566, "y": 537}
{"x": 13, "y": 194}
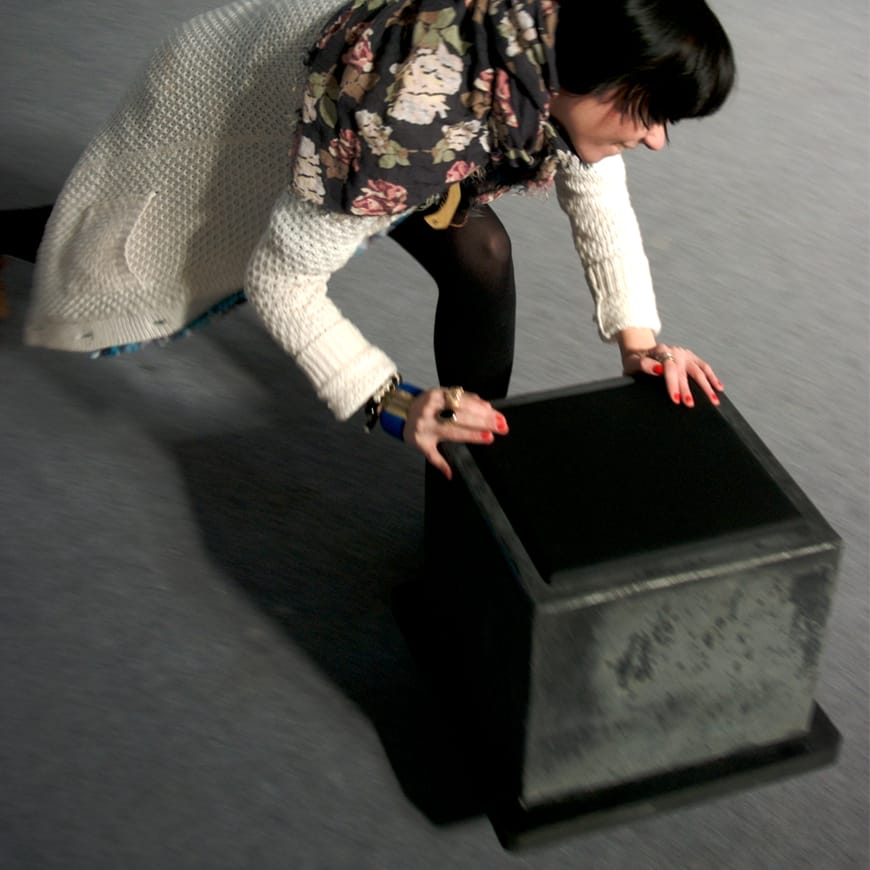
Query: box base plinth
{"x": 518, "y": 828}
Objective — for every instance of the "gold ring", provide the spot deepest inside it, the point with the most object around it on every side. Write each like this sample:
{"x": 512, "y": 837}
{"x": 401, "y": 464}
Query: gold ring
{"x": 667, "y": 356}
{"x": 453, "y": 397}
{"x": 447, "y": 415}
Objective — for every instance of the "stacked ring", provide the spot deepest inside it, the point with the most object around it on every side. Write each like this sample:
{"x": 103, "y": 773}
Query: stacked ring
{"x": 453, "y": 397}
{"x": 452, "y": 401}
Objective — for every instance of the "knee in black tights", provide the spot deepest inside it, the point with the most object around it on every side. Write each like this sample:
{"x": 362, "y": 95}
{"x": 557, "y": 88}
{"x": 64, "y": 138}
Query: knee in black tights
{"x": 484, "y": 248}
{"x": 472, "y": 258}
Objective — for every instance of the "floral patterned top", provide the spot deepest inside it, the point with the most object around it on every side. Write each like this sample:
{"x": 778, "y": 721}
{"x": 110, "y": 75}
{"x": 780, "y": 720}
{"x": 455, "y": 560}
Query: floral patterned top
{"x": 406, "y": 97}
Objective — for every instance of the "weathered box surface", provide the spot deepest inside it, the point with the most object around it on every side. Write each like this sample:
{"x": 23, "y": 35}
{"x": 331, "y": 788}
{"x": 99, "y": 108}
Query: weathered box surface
{"x": 631, "y": 588}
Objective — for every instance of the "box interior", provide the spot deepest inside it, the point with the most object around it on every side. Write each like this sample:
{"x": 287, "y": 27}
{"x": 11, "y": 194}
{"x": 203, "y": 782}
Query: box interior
{"x": 593, "y": 476}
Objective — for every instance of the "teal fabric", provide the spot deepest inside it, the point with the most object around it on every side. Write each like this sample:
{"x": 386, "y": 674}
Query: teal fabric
{"x": 216, "y": 310}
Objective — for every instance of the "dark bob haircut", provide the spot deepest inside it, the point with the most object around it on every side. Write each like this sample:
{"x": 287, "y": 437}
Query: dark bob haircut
{"x": 664, "y": 60}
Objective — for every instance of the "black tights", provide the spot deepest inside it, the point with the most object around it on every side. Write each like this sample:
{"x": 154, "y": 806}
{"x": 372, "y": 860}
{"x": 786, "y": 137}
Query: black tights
{"x": 476, "y": 312}
{"x": 21, "y": 231}
{"x": 471, "y": 265}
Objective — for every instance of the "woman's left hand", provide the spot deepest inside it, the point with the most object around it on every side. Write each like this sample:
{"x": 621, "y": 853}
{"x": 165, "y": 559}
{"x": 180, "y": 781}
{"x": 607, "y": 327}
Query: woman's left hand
{"x": 677, "y": 365}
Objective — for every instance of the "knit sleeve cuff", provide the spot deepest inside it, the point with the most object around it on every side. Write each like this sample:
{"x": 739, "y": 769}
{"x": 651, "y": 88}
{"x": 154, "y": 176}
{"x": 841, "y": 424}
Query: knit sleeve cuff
{"x": 345, "y": 369}
{"x": 607, "y": 237}
{"x": 623, "y": 295}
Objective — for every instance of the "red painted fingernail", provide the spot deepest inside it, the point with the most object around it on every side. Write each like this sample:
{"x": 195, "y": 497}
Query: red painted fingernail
{"x": 677, "y": 397}
{"x": 487, "y": 437}
{"x": 688, "y": 399}
{"x": 658, "y": 369}
{"x": 714, "y": 400}
{"x": 501, "y": 425}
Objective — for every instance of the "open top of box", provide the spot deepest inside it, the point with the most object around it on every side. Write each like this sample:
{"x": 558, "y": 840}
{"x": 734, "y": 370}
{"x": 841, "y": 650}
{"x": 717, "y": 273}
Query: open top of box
{"x": 613, "y": 470}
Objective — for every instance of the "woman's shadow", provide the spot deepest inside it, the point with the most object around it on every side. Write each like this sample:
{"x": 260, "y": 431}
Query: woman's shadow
{"x": 323, "y": 529}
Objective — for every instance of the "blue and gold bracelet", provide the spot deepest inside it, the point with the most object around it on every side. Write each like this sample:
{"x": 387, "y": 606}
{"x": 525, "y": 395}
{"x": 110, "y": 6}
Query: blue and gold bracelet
{"x": 395, "y": 406}
{"x": 390, "y": 405}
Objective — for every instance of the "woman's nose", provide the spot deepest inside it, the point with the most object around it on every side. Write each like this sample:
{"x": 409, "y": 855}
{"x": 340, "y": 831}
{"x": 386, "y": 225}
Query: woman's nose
{"x": 656, "y": 137}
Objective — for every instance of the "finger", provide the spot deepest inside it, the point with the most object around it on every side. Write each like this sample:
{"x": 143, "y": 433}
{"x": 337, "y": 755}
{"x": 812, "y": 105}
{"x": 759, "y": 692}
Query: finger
{"x": 634, "y": 362}
{"x": 435, "y": 458}
{"x": 651, "y": 367}
{"x": 491, "y": 423}
{"x": 699, "y": 374}
{"x": 673, "y": 381}
{"x": 645, "y": 364}
{"x": 479, "y": 413}
{"x": 711, "y": 375}
{"x": 457, "y": 432}
{"x": 686, "y": 391}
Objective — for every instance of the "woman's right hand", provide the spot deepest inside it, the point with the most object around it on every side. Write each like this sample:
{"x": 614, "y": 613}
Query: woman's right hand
{"x": 475, "y": 421}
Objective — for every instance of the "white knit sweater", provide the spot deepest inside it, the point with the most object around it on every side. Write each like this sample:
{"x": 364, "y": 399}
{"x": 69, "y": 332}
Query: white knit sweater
{"x": 168, "y": 211}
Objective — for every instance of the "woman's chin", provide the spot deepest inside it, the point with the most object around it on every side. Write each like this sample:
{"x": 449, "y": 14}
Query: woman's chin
{"x": 595, "y": 155}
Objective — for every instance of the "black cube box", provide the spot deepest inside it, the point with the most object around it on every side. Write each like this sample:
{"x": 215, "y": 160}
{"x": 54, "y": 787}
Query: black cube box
{"x": 625, "y": 591}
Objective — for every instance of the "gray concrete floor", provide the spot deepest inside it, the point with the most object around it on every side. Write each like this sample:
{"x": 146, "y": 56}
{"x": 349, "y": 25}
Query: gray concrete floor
{"x": 198, "y": 661}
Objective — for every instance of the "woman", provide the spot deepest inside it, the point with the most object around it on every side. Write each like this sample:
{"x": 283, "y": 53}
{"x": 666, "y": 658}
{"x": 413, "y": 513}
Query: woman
{"x": 410, "y": 116}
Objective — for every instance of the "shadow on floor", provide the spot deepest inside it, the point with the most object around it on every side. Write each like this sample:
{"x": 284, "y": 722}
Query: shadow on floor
{"x": 320, "y": 526}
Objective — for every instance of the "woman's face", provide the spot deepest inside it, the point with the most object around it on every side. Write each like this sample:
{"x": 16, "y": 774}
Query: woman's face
{"x": 598, "y": 129}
